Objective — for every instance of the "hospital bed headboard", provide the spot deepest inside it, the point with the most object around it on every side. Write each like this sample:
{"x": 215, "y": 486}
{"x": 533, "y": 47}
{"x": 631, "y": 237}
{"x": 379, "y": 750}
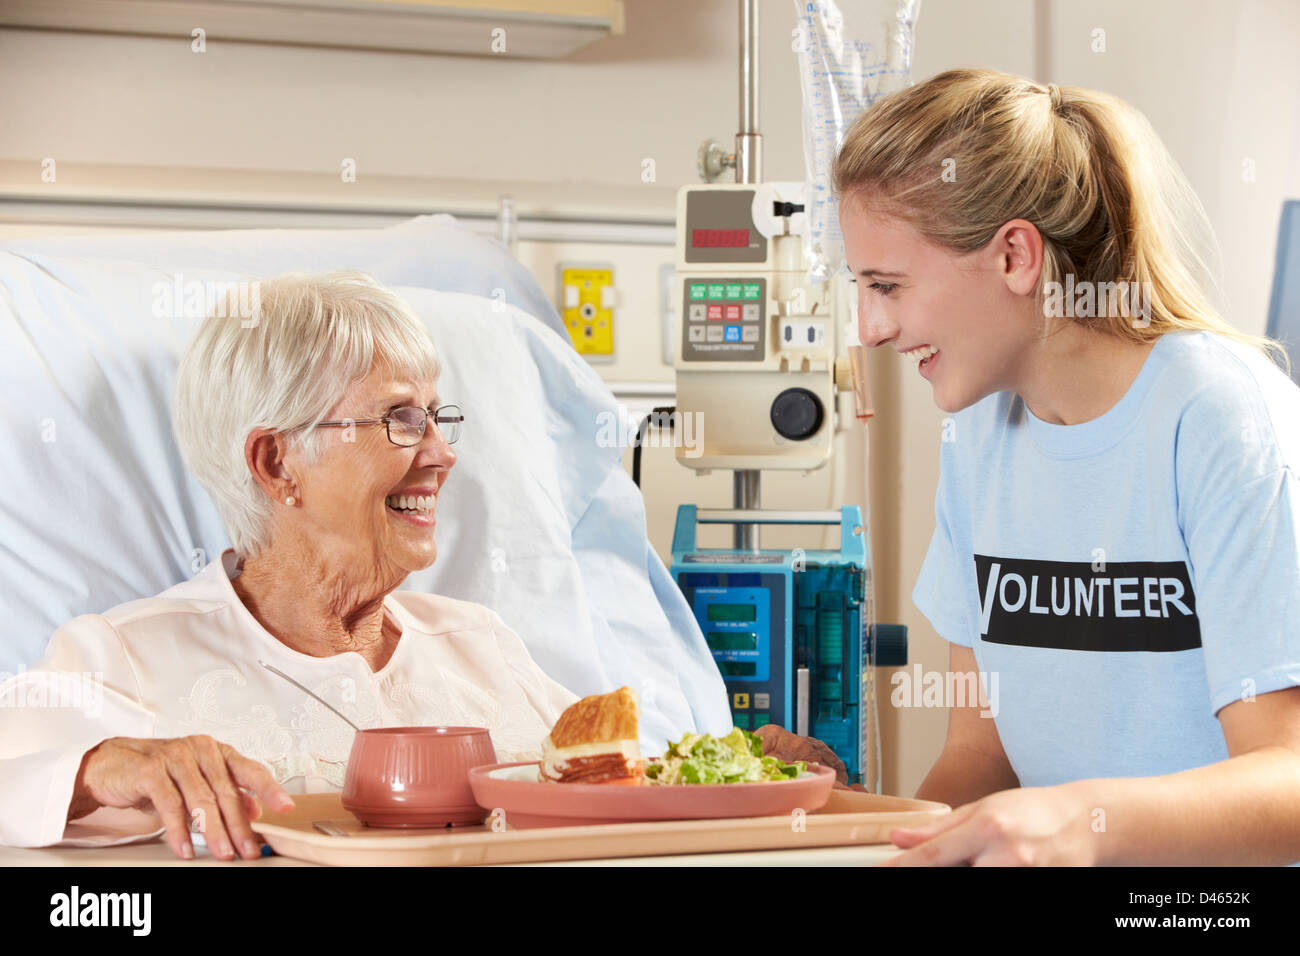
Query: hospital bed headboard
{"x": 538, "y": 522}
{"x": 432, "y": 252}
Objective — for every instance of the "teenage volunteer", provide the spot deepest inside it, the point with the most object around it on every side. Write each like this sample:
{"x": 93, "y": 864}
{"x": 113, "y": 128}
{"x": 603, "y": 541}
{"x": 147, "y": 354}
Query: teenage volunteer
{"x": 1117, "y": 532}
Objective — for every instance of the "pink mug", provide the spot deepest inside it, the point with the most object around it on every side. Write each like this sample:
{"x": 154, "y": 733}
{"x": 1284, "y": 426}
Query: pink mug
{"x": 416, "y": 776}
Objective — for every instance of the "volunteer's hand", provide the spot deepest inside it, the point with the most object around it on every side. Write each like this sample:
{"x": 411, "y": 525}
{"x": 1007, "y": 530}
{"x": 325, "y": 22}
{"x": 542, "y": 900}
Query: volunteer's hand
{"x": 1030, "y": 826}
{"x": 783, "y": 745}
{"x": 176, "y": 777}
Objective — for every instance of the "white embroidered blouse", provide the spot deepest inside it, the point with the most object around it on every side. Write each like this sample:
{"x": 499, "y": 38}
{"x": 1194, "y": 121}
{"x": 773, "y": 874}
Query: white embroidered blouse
{"x": 186, "y": 662}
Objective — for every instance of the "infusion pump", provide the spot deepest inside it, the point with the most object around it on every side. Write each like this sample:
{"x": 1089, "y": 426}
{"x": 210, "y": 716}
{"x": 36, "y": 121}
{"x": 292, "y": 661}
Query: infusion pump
{"x": 756, "y": 340}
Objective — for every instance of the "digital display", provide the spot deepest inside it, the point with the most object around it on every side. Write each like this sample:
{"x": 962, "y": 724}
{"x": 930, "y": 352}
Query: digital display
{"x": 733, "y": 641}
{"x": 737, "y": 668}
{"x": 733, "y": 612}
{"x": 720, "y": 238}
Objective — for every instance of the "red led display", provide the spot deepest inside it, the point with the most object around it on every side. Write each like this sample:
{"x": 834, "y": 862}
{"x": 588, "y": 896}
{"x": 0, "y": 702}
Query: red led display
{"x": 719, "y": 238}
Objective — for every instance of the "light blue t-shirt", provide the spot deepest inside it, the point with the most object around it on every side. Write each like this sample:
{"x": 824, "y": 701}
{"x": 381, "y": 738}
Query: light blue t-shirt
{"x": 1127, "y": 577}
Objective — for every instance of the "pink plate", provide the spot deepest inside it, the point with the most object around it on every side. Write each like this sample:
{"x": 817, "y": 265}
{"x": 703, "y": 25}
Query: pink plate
{"x": 513, "y": 789}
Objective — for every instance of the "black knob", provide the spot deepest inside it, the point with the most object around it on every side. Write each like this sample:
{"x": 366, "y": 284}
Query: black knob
{"x": 891, "y": 645}
{"x": 797, "y": 414}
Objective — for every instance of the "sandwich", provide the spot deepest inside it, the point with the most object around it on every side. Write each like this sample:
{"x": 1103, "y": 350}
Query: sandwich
{"x": 595, "y": 741}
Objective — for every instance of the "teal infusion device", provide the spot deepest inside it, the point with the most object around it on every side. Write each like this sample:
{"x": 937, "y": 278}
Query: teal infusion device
{"x": 791, "y": 631}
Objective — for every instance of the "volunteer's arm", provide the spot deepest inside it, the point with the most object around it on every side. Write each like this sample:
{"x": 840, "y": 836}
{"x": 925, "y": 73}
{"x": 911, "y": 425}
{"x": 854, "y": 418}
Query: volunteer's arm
{"x": 1240, "y": 811}
{"x": 972, "y": 764}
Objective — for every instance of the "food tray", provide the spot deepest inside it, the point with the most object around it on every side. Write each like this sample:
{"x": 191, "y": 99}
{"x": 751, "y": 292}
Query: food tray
{"x": 848, "y": 817}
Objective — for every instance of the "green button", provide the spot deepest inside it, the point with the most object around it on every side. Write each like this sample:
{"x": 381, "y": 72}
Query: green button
{"x": 752, "y": 290}
{"x": 733, "y": 290}
{"x": 717, "y": 291}
{"x": 741, "y": 721}
{"x": 699, "y": 291}
{"x": 760, "y": 720}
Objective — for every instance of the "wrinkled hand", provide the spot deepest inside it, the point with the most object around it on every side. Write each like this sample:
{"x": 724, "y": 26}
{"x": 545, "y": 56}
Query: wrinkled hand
{"x": 182, "y": 779}
{"x": 1032, "y": 826}
{"x": 783, "y": 745}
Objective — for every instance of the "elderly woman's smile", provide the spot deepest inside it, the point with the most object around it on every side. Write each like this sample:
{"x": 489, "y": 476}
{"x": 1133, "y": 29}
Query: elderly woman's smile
{"x": 414, "y": 504}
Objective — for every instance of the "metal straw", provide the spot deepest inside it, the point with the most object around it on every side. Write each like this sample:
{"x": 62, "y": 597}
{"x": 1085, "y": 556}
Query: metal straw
{"x": 281, "y": 673}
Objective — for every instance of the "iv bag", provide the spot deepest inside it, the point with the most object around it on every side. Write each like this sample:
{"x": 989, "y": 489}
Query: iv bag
{"x": 844, "y": 67}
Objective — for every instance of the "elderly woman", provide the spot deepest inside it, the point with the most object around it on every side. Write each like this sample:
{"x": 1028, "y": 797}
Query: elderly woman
{"x": 319, "y": 431}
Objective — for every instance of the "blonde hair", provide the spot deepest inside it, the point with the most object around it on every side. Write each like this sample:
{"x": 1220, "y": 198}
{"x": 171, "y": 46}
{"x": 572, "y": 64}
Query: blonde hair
{"x": 966, "y": 151}
{"x": 284, "y": 367}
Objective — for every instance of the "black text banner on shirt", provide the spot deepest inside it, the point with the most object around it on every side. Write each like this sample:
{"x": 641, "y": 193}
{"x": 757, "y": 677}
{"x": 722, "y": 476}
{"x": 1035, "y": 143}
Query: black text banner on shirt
{"x": 1087, "y": 606}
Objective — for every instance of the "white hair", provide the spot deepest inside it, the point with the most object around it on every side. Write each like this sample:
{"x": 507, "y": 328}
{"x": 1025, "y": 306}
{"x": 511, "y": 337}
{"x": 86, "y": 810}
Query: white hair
{"x": 307, "y": 340}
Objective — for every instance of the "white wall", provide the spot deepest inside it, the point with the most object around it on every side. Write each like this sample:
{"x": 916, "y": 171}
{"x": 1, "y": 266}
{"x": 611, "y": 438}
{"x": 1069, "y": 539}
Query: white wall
{"x": 1218, "y": 79}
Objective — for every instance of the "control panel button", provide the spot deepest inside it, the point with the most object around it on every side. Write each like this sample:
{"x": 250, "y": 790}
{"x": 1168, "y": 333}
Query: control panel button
{"x": 762, "y": 701}
{"x": 761, "y": 719}
{"x": 699, "y": 291}
{"x": 715, "y": 313}
{"x": 751, "y": 290}
{"x": 695, "y": 333}
{"x": 733, "y": 333}
{"x": 698, "y": 312}
{"x": 717, "y": 290}
{"x": 732, "y": 313}
{"x": 715, "y": 333}
{"x": 740, "y": 720}
{"x": 733, "y": 290}
{"x": 749, "y": 333}
{"x": 750, "y": 312}
{"x": 740, "y": 701}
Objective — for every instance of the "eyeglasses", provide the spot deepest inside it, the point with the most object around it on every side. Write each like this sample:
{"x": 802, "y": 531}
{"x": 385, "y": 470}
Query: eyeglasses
{"x": 406, "y": 424}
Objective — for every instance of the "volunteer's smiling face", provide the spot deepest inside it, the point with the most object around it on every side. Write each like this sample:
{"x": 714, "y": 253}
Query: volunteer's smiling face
{"x": 366, "y": 498}
{"x": 967, "y": 313}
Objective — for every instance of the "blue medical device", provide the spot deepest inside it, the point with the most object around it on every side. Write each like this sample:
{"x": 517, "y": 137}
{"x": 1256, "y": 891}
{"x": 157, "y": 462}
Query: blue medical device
{"x": 787, "y": 630}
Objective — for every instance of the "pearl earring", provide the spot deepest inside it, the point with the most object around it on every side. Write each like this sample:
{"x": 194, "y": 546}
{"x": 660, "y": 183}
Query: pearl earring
{"x": 290, "y": 501}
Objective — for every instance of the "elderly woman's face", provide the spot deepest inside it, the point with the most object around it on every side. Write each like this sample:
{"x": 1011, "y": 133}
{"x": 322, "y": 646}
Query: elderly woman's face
{"x": 347, "y": 496}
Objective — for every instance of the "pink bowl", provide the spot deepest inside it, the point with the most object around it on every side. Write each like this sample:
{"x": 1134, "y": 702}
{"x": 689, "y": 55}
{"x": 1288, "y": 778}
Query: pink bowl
{"x": 415, "y": 776}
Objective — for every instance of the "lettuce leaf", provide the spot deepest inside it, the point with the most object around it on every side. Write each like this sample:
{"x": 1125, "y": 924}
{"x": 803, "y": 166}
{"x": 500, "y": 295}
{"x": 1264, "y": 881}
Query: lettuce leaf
{"x": 704, "y": 759}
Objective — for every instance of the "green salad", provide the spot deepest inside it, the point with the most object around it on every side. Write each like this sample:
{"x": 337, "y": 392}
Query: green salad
{"x": 735, "y": 758}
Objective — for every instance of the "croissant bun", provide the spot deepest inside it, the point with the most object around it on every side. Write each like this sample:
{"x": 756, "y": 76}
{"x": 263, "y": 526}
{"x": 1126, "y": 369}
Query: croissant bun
{"x": 598, "y": 718}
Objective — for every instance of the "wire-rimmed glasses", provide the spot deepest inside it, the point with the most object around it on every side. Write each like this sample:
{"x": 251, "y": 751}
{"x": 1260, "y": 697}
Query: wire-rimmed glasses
{"x": 406, "y": 424}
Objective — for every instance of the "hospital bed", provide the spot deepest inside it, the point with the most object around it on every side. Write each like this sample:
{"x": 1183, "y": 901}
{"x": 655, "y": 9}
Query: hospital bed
{"x": 538, "y": 521}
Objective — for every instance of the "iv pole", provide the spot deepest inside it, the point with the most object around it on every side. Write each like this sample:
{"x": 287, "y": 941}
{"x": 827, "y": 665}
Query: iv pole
{"x": 749, "y": 169}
